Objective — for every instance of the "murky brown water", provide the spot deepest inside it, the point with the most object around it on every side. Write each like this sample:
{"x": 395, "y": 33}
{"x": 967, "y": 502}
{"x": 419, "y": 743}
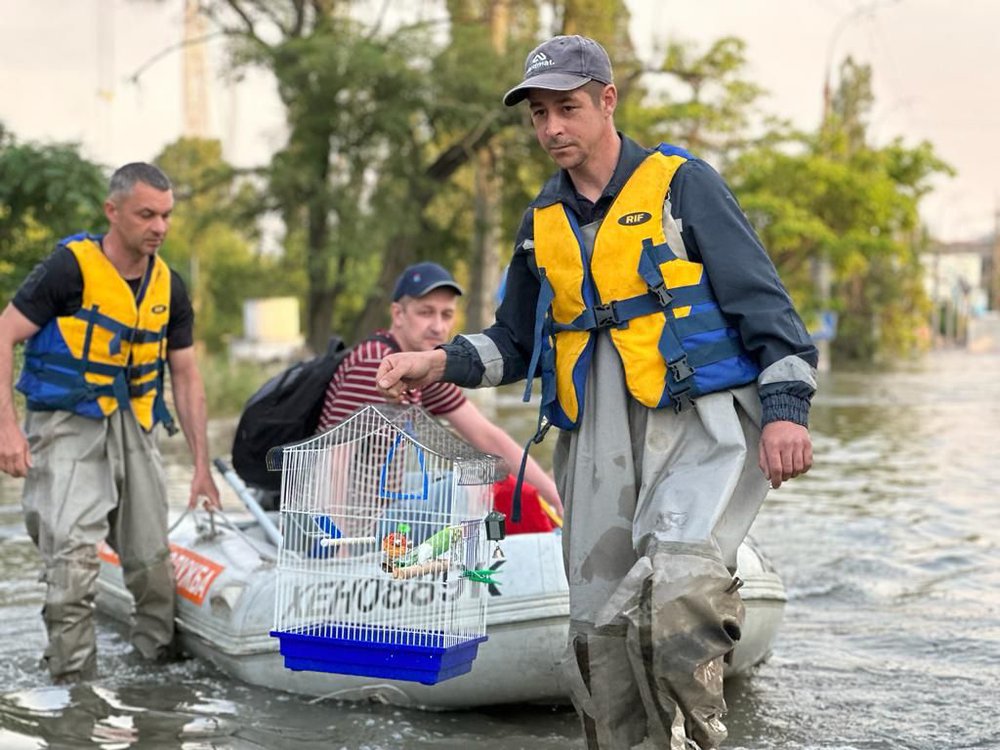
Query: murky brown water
{"x": 889, "y": 550}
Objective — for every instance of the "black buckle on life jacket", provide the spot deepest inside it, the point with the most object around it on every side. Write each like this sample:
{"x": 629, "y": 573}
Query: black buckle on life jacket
{"x": 682, "y": 400}
{"x": 543, "y": 427}
{"x": 606, "y": 315}
{"x": 662, "y": 295}
{"x": 680, "y": 368}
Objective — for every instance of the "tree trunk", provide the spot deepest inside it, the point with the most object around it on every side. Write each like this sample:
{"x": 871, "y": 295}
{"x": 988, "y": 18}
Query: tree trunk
{"x": 402, "y": 248}
{"x": 484, "y": 271}
{"x": 376, "y": 311}
{"x": 320, "y": 296}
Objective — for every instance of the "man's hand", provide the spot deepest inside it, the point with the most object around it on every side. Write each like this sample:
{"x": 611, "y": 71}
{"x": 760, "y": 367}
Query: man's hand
{"x": 15, "y": 457}
{"x": 785, "y": 451}
{"x": 404, "y": 370}
{"x": 203, "y": 490}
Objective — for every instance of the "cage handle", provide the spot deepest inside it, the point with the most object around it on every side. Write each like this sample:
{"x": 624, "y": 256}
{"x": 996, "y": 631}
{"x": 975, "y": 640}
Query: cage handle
{"x": 387, "y": 494}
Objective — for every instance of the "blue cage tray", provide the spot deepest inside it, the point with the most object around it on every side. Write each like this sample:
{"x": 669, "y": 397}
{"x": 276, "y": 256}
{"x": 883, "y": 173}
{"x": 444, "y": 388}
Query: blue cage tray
{"x": 376, "y": 656}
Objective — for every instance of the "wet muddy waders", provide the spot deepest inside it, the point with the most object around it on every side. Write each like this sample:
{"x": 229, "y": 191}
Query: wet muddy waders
{"x": 658, "y": 503}
{"x": 95, "y": 480}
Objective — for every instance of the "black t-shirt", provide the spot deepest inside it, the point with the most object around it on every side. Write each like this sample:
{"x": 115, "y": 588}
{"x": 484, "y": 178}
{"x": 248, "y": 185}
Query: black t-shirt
{"x": 55, "y": 289}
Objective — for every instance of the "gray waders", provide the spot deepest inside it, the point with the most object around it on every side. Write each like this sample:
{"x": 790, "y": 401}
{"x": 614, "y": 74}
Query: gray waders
{"x": 95, "y": 480}
{"x": 657, "y": 504}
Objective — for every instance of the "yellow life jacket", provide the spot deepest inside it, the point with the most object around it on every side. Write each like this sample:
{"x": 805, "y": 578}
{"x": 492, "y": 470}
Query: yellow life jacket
{"x": 674, "y": 341}
{"x": 111, "y": 353}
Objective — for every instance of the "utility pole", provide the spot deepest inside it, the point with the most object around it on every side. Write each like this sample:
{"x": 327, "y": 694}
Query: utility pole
{"x": 821, "y": 268}
{"x": 194, "y": 93}
{"x": 994, "y": 302}
{"x": 106, "y": 78}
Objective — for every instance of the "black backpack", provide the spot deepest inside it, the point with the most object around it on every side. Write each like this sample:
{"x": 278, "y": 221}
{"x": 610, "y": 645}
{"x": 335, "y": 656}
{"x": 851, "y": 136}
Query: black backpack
{"x": 286, "y": 409}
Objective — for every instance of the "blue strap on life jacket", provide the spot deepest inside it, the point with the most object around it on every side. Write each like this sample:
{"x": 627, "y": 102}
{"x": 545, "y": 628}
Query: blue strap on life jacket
{"x": 656, "y": 299}
{"x": 162, "y": 414}
{"x": 88, "y": 338}
{"x": 41, "y": 364}
{"x": 146, "y": 278}
{"x": 541, "y": 354}
{"x": 683, "y": 362}
{"x": 618, "y": 312}
{"x": 72, "y": 393}
{"x": 119, "y": 330}
{"x": 160, "y": 411}
{"x": 668, "y": 149}
{"x": 546, "y": 294}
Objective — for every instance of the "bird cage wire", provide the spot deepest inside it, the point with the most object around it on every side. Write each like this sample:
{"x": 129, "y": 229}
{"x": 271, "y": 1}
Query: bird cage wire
{"x": 383, "y": 546}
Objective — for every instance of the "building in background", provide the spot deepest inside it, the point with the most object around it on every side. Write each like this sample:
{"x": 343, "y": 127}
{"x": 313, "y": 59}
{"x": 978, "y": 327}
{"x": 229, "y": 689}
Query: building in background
{"x": 962, "y": 280}
{"x": 271, "y": 331}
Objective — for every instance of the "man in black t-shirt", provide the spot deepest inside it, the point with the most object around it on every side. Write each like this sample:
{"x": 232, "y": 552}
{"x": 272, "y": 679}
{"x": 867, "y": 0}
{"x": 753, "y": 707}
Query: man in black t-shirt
{"x": 104, "y": 318}
{"x": 55, "y": 287}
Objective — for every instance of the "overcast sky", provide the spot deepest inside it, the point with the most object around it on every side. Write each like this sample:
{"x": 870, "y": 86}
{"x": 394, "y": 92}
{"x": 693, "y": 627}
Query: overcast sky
{"x": 66, "y": 65}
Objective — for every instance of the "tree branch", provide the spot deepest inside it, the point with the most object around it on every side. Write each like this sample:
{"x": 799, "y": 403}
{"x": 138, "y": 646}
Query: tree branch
{"x": 251, "y": 31}
{"x": 457, "y": 154}
{"x": 134, "y": 78}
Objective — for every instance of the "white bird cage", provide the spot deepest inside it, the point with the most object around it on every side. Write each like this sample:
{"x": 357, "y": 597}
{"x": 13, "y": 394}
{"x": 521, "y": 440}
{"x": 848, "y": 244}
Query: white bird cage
{"x": 384, "y": 552}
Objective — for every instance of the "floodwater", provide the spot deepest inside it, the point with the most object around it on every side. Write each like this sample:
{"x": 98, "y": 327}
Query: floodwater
{"x": 891, "y": 640}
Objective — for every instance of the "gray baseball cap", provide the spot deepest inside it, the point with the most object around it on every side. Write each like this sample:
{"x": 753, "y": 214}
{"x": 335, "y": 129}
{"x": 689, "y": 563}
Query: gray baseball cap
{"x": 563, "y": 63}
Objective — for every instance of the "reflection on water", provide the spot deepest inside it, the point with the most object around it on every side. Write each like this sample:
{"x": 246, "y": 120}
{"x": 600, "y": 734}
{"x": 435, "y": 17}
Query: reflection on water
{"x": 891, "y": 637}
{"x": 159, "y": 715}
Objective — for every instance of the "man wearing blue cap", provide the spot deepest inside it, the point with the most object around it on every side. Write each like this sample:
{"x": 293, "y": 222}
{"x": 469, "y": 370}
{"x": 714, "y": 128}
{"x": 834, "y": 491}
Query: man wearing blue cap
{"x": 680, "y": 375}
{"x": 424, "y": 305}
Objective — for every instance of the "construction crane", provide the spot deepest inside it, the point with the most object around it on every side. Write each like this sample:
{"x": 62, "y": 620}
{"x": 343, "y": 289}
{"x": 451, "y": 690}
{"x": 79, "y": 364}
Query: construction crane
{"x": 195, "y": 79}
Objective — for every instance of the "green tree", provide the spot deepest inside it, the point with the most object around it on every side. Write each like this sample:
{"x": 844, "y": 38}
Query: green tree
{"x": 700, "y": 99}
{"x": 213, "y": 237}
{"x": 834, "y": 201}
{"x": 47, "y": 191}
{"x": 397, "y": 149}
{"x": 379, "y": 122}
{"x": 524, "y": 166}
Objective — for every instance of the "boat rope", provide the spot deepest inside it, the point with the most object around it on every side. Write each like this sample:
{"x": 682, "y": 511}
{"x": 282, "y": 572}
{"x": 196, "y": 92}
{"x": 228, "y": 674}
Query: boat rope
{"x": 264, "y": 555}
{"x": 177, "y": 523}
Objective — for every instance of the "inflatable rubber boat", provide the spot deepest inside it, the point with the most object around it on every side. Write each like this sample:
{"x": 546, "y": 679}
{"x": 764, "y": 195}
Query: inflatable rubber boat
{"x": 226, "y": 578}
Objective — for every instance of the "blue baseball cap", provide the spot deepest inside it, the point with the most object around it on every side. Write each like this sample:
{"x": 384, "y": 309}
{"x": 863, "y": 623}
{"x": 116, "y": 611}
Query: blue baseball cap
{"x": 423, "y": 278}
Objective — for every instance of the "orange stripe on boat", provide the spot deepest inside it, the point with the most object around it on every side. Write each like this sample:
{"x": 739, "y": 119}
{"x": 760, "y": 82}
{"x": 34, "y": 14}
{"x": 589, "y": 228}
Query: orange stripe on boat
{"x": 193, "y": 573}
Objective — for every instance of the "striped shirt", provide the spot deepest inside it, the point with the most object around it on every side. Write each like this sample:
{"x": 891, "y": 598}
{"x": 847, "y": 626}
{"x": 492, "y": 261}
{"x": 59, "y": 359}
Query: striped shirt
{"x": 353, "y": 385}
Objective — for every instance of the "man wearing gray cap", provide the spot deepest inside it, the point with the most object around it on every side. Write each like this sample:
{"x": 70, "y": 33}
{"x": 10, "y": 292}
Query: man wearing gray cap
{"x": 680, "y": 375}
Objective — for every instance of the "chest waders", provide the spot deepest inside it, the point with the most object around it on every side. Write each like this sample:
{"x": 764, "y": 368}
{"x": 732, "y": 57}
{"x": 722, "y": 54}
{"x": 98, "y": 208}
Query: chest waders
{"x": 628, "y": 337}
{"x": 94, "y": 385}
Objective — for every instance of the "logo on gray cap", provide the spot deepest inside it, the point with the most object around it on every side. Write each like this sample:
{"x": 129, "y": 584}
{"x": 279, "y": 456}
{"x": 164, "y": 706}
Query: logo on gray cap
{"x": 538, "y": 61}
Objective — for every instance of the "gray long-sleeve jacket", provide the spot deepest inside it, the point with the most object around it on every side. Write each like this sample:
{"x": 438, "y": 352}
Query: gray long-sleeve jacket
{"x": 716, "y": 233}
